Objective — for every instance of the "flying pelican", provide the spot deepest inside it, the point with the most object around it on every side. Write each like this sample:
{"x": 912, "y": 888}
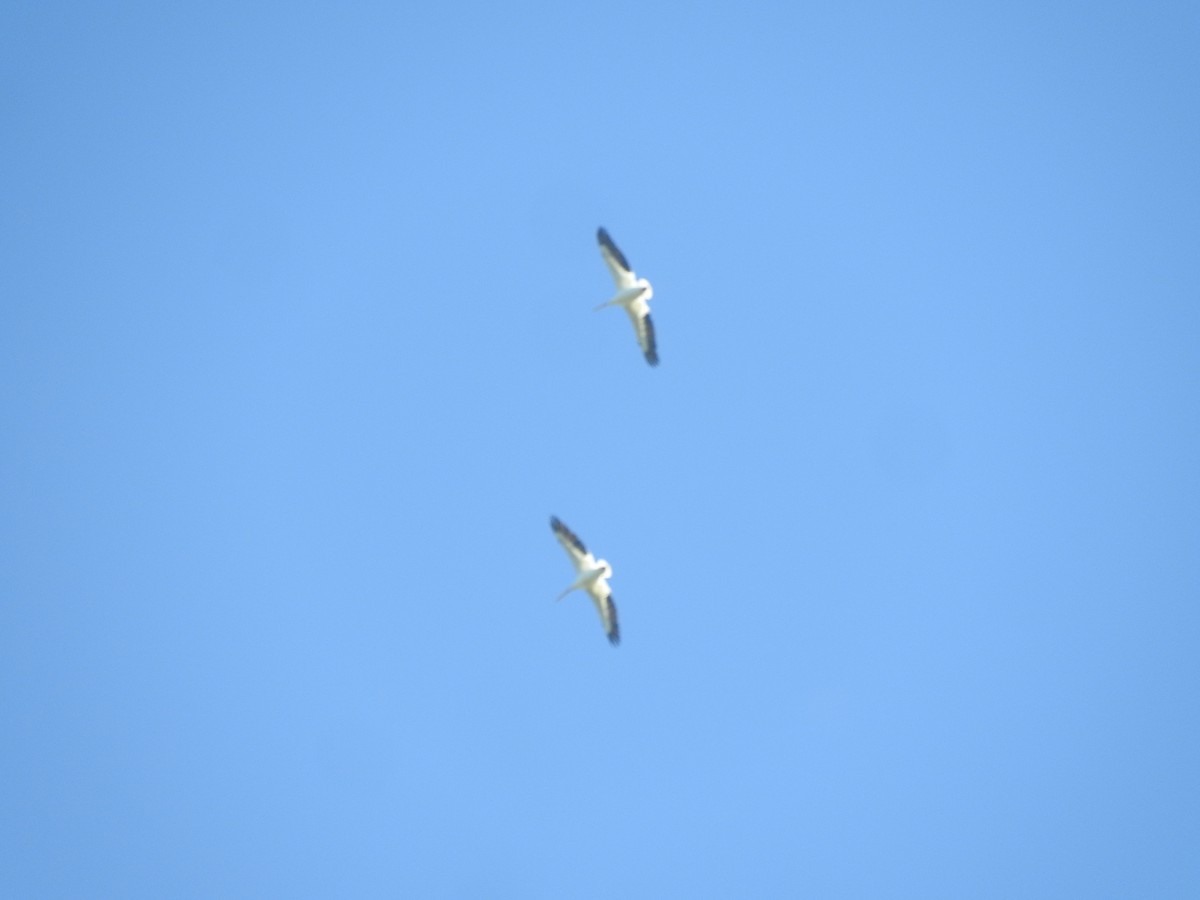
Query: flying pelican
{"x": 632, "y": 293}
{"x": 593, "y": 578}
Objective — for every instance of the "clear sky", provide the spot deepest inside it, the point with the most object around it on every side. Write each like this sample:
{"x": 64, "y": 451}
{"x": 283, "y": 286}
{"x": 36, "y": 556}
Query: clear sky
{"x": 298, "y": 357}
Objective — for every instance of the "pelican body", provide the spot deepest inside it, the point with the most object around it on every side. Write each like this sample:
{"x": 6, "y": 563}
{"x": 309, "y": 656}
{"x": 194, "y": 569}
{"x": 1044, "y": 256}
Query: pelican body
{"x": 633, "y": 294}
{"x": 592, "y": 576}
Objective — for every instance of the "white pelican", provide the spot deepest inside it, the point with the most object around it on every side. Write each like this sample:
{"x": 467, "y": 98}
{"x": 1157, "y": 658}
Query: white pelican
{"x": 593, "y": 578}
{"x": 632, "y": 293}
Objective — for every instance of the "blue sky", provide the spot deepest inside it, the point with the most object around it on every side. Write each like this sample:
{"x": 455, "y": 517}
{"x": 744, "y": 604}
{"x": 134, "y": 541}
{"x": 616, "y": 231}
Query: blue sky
{"x": 298, "y": 356}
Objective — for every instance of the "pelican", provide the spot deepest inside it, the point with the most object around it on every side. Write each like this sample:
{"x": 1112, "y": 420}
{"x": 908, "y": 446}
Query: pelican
{"x": 632, "y": 293}
{"x": 593, "y": 577}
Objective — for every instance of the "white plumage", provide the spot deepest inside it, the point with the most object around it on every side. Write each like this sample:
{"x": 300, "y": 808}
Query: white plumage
{"x": 592, "y": 576}
{"x": 632, "y": 293}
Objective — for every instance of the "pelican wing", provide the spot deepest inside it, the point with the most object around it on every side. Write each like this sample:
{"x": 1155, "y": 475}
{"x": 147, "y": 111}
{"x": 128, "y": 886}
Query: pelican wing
{"x": 580, "y": 557}
{"x": 645, "y": 334}
{"x": 602, "y": 597}
{"x": 622, "y": 273}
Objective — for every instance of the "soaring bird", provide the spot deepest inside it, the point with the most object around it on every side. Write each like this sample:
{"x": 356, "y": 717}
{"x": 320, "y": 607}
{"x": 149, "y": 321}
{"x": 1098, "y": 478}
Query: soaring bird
{"x": 632, "y": 293}
{"x": 593, "y": 575}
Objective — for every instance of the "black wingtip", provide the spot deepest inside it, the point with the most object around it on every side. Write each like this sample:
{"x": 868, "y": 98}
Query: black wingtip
{"x": 651, "y": 340}
{"x": 566, "y": 534}
{"x": 614, "y": 633}
{"x": 608, "y": 244}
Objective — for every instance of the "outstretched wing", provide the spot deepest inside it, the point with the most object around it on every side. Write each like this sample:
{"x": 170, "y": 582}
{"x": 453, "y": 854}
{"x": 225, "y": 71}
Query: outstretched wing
{"x": 645, "y": 335}
{"x": 580, "y": 557}
{"x": 622, "y": 273}
{"x": 602, "y": 596}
